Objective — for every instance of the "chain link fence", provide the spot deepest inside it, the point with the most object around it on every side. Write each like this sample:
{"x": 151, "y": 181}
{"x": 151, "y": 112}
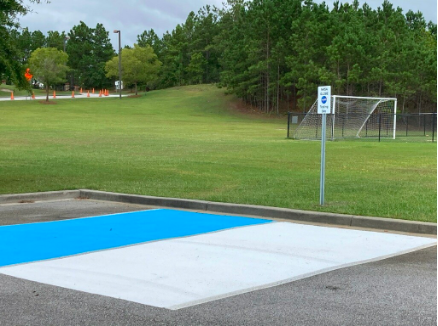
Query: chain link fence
{"x": 414, "y": 127}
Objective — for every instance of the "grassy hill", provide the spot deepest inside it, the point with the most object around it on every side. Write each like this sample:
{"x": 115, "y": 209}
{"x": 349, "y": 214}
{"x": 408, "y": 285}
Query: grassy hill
{"x": 194, "y": 142}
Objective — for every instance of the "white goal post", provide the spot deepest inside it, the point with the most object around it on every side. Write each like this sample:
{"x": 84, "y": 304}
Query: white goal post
{"x": 352, "y": 116}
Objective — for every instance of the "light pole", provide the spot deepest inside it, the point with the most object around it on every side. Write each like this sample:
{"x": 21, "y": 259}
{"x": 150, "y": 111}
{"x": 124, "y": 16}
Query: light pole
{"x": 65, "y": 40}
{"x": 120, "y": 64}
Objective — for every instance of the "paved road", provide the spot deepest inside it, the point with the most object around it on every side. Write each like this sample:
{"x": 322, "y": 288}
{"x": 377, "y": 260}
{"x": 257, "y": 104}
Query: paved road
{"x": 58, "y": 97}
{"x": 396, "y": 291}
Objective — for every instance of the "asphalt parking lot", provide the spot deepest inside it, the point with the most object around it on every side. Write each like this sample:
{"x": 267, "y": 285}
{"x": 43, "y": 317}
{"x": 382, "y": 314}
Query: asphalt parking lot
{"x": 401, "y": 290}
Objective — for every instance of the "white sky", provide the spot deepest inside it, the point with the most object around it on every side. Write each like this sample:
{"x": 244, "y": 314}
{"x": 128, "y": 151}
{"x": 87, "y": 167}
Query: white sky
{"x": 133, "y": 17}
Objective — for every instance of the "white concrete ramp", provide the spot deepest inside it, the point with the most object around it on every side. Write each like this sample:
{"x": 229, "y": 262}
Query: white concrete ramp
{"x": 180, "y": 272}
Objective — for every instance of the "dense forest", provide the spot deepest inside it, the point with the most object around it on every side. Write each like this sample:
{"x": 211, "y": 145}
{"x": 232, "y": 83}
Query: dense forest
{"x": 274, "y": 53}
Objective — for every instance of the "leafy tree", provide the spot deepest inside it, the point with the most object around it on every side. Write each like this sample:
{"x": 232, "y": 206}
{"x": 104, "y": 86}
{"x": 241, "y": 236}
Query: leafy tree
{"x": 26, "y": 42}
{"x": 88, "y": 50}
{"x": 9, "y": 66}
{"x": 49, "y": 66}
{"x": 139, "y": 65}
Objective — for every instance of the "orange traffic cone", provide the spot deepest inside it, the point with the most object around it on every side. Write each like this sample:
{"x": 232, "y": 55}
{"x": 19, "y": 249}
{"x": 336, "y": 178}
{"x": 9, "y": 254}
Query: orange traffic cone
{"x": 54, "y": 94}
{"x": 73, "y": 94}
{"x": 80, "y": 90}
{"x": 100, "y": 93}
{"x": 12, "y": 96}
{"x": 88, "y": 93}
{"x": 33, "y": 96}
{"x": 107, "y": 93}
{"x": 93, "y": 90}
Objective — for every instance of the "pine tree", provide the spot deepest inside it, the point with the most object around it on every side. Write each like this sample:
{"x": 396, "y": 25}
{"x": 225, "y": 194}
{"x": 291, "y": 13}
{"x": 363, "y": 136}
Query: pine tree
{"x": 150, "y": 38}
{"x": 89, "y": 49}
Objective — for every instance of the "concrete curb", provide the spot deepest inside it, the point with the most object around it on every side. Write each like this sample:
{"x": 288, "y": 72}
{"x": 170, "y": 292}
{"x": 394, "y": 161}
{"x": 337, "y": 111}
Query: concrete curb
{"x": 249, "y": 210}
{"x": 269, "y": 212}
{"x": 39, "y": 196}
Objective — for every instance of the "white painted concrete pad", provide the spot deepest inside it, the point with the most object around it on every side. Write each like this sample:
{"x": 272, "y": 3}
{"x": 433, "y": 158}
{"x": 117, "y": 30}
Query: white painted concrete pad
{"x": 182, "y": 272}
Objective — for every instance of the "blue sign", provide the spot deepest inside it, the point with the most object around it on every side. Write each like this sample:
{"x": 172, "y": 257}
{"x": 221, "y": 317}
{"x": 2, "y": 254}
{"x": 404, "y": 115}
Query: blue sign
{"x": 324, "y": 99}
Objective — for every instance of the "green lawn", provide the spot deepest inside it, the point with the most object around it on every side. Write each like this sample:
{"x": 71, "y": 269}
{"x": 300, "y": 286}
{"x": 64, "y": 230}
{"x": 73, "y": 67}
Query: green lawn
{"x": 189, "y": 143}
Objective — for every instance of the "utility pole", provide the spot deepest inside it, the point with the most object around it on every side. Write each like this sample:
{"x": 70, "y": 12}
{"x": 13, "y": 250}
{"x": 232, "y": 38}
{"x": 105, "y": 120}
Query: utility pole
{"x": 120, "y": 63}
{"x": 65, "y": 40}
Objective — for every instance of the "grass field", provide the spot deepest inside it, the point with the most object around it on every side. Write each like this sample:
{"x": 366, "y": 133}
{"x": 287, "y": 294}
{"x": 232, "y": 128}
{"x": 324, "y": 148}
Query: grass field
{"x": 191, "y": 143}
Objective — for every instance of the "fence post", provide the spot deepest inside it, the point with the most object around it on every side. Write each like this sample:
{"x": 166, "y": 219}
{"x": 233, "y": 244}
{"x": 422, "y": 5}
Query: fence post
{"x": 333, "y": 126}
{"x": 380, "y": 124}
{"x": 343, "y": 123}
{"x": 317, "y": 126}
{"x": 333, "y": 117}
{"x": 387, "y": 125}
{"x": 424, "y": 124}
{"x": 433, "y": 126}
{"x": 394, "y": 127}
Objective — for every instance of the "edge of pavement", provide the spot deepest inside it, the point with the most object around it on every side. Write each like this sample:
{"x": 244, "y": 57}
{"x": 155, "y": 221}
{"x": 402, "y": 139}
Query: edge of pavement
{"x": 388, "y": 224}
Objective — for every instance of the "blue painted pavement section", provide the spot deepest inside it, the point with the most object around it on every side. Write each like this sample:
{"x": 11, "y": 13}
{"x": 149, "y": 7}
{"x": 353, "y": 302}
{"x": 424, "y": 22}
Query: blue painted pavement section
{"x": 38, "y": 241}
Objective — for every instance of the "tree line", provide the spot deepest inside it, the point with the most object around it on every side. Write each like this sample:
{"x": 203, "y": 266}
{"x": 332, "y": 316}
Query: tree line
{"x": 91, "y": 60}
{"x": 274, "y": 53}
{"x": 271, "y": 53}
{"x": 88, "y": 50}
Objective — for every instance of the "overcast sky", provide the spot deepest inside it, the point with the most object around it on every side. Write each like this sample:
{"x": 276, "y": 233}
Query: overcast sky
{"x": 133, "y": 17}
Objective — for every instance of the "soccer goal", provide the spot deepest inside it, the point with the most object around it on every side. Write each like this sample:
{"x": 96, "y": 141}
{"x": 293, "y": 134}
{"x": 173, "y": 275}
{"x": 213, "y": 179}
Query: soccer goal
{"x": 352, "y": 117}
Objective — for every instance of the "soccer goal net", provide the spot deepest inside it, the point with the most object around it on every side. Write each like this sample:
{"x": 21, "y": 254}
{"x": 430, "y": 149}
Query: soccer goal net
{"x": 351, "y": 117}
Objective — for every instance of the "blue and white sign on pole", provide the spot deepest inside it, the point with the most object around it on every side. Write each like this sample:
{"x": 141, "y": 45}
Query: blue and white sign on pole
{"x": 324, "y": 99}
{"x": 324, "y": 108}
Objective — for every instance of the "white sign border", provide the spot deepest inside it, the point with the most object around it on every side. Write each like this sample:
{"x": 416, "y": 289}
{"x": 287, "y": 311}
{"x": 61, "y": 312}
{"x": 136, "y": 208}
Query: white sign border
{"x": 324, "y": 108}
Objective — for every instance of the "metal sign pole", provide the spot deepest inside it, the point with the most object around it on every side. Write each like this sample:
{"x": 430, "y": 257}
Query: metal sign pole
{"x": 324, "y": 108}
{"x": 322, "y": 179}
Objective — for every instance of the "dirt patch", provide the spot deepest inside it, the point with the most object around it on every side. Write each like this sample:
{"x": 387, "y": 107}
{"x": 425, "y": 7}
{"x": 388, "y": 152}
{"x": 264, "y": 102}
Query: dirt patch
{"x": 47, "y": 102}
{"x": 82, "y": 198}
{"x": 243, "y": 108}
{"x": 26, "y": 201}
{"x": 249, "y": 110}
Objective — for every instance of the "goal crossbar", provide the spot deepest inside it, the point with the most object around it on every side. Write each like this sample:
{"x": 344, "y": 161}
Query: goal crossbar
{"x": 352, "y": 116}
{"x": 367, "y": 98}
